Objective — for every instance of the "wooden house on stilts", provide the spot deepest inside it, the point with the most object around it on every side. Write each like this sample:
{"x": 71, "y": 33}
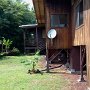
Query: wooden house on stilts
{"x": 66, "y": 18}
{"x": 71, "y": 21}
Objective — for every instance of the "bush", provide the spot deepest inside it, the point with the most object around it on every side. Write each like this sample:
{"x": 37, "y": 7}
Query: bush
{"x": 14, "y": 52}
{"x": 4, "y": 54}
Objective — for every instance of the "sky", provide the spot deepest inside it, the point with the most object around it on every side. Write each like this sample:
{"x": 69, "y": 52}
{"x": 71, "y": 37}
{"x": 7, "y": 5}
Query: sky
{"x": 29, "y": 2}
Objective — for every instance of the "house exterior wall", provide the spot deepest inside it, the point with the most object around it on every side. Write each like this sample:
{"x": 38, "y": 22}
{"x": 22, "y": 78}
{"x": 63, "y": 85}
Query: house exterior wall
{"x": 78, "y": 33}
{"x": 81, "y": 35}
{"x": 63, "y": 38}
{"x": 73, "y": 36}
{"x": 87, "y": 36}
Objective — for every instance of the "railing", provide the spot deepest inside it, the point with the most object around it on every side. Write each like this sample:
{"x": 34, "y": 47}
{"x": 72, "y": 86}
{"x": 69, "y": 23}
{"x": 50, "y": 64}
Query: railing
{"x": 30, "y": 43}
{"x": 41, "y": 44}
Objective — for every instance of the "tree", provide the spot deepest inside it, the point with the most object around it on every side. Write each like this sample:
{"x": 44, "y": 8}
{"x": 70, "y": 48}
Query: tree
{"x": 13, "y": 14}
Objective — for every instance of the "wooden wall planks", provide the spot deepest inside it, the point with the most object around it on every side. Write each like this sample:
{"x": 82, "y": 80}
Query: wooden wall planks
{"x": 78, "y": 34}
{"x": 87, "y": 36}
{"x": 63, "y": 38}
{"x": 81, "y": 36}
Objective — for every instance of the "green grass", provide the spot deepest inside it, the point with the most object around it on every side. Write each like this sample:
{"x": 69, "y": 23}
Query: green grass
{"x": 13, "y": 76}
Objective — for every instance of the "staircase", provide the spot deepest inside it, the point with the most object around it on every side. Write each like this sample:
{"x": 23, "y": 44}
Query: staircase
{"x": 54, "y": 56}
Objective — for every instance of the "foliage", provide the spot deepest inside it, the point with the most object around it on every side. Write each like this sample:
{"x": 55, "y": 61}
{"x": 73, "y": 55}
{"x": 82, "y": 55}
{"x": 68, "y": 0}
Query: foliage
{"x": 7, "y": 43}
{"x": 35, "y": 60}
{"x": 14, "y": 52}
{"x": 12, "y": 14}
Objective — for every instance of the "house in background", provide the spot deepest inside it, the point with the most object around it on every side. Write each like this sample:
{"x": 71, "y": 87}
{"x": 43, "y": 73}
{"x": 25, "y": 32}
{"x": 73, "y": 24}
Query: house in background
{"x": 71, "y": 20}
{"x": 34, "y": 38}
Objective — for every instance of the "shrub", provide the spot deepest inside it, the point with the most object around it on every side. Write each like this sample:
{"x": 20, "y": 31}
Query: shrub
{"x": 4, "y": 54}
{"x": 7, "y": 43}
{"x": 14, "y": 52}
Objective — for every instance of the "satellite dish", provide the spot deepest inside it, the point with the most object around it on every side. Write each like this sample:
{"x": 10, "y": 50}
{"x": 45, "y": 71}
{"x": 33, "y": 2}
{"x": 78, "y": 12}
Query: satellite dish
{"x": 52, "y": 33}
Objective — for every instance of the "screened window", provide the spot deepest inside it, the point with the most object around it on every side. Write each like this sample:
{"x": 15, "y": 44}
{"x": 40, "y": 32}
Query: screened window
{"x": 59, "y": 20}
{"x": 79, "y": 14}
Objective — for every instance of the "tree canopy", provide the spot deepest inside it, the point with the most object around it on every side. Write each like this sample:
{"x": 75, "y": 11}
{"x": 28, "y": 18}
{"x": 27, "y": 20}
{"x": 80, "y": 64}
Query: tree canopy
{"x": 12, "y": 14}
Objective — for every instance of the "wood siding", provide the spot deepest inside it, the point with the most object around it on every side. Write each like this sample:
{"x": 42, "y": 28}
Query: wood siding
{"x": 78, "y": 34}
{"x": 87, "y": 36}
{"x": 81, "y": 36}
{"x": 63, "y": 38}
{"x": 70, "y": 36}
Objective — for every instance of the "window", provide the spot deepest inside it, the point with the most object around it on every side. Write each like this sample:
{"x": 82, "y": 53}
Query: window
{"x": 79, "y": 14}
{"x": 59, "y": 20}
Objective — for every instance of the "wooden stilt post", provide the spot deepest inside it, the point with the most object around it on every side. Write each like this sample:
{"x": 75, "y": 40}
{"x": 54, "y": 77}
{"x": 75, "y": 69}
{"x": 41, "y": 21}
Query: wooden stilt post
{"x": 81, "y": 66}
{"x": 67, "y": 64}
{"x": 67, "y": 55}
{"x": 47, "y": 59}
{"x": 36, "y": 38}
{"x": 24, "y": 41}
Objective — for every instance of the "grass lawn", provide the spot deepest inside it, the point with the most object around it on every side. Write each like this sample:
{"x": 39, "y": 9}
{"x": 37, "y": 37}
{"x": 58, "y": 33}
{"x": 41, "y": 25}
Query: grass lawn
{"x": 13, "y": 76}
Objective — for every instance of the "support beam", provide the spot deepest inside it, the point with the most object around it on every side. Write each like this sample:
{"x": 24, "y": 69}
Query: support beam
{"x": 37, "y": 38}
{"x": 24, "y": 40}
{"x": 81, "y": 66}
{"x": 47, "y": 59}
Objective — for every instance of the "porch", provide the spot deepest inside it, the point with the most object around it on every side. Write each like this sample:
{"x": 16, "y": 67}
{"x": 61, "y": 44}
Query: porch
{"x": 34, "y": 38}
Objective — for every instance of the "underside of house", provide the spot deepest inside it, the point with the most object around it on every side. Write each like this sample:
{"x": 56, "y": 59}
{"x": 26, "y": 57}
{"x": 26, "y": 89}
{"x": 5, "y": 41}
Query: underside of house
{"x": 71, "y": 21}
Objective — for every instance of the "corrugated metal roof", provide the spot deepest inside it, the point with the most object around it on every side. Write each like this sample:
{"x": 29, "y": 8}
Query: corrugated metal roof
{"x": 29, "y": 26}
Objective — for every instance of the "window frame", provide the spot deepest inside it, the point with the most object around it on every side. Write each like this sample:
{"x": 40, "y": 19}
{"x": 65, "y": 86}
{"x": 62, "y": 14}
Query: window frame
{"x": 78, "y": 17}
{"x": 59, "y": 20}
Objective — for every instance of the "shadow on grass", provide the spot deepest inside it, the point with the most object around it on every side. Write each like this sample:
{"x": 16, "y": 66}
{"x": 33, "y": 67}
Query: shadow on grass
{"x": 53, "y": 67}
{"x": 65, "y": 72}
{"x": 2, "y": 57}
{"x": 5, "y": 55}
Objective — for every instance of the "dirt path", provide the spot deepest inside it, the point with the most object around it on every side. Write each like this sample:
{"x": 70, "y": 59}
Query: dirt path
{"x": 73, "y": 78}
{"x": 75, "y": 84}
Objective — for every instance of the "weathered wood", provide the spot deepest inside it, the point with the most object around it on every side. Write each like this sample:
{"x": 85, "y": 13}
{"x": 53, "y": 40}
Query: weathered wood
{"x": 87, "y": 36}
{"x": 47, "y": 63}
{"x": 68, "y": 36}
{"x": 81, "y": 35}
{"x": 37, "y": 42}
{"x": 63, "y": 38}
{"x": 81, "y": 65}
{"x": 37, "y": 38}
{"x": 78, "y": 33}
{"x": 39, "y": 9}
